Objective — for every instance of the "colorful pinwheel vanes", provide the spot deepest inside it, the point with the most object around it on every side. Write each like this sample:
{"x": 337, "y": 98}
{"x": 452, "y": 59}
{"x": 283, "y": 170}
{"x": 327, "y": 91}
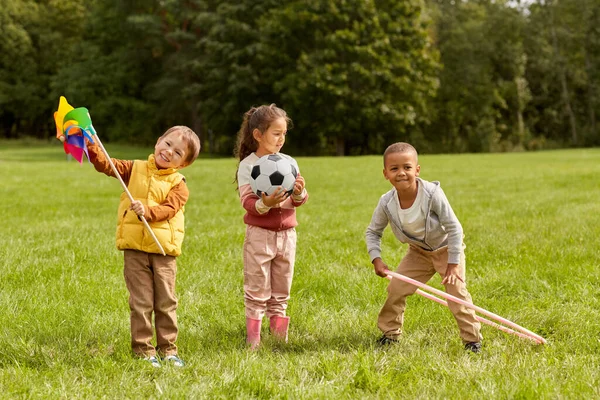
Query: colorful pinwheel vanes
{"x": 73, "y": 126}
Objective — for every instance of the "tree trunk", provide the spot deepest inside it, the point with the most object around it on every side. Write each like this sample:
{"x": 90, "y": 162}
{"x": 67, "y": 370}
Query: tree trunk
{"x": 591, "y": 96}
{"x": 340, "y": 146}
{"x": 521, "y": 87}
{"x": 567, "y": 101}
{"x": 197, "y": 121}
{"x": 520, "y": 127}
{"x": 563, "y": 80}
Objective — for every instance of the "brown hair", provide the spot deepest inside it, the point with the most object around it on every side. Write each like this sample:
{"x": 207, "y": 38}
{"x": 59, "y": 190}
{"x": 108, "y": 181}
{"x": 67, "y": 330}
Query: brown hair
{"x": 190, "y": 137}
{"x": 259, "y": 118}
{"x": 399, "y": 147}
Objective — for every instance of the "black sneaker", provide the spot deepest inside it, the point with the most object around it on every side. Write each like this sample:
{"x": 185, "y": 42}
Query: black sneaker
{"x": 475, "y": 347}
{"x": 384, "y": 340}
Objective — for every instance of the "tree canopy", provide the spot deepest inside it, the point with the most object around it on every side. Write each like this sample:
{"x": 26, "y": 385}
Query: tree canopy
{"x": 355, "y": 76}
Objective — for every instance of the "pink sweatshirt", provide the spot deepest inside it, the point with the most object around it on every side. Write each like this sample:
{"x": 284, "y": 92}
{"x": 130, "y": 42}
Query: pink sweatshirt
{"x": 278, "y": 218}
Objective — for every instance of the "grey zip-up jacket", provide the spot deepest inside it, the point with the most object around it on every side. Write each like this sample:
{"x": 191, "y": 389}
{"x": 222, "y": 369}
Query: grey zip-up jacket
{"x": 442, "y": 228}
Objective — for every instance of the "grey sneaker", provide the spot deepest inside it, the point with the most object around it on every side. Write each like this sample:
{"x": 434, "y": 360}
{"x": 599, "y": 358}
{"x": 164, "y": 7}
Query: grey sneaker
{"x": 174, "y": 360}
{"x": 153, "y": 361}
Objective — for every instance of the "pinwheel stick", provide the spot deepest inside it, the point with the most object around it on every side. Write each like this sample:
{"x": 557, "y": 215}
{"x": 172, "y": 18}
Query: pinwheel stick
{"x": 128, "y": 193}
{"x": 523, "y": 331}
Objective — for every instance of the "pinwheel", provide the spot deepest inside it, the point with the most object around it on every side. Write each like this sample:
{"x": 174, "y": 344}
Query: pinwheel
{"x": 73, "y": 126}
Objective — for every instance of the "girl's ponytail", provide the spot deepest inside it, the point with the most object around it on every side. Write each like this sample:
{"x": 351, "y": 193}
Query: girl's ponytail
{"x": 246, "y": 143}
{"x": 256, "y": 118}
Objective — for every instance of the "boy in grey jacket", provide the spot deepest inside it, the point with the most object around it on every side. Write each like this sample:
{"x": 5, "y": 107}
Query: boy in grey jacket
{"x": 419, "y": 214}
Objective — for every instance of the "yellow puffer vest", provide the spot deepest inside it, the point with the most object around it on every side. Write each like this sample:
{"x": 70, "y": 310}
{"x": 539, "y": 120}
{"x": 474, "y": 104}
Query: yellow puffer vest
{"x": 150, "y": 185}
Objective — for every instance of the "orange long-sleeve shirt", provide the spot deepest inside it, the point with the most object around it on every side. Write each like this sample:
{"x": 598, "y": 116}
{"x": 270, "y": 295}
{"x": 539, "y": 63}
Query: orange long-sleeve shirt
{"x": 175, "y": 200}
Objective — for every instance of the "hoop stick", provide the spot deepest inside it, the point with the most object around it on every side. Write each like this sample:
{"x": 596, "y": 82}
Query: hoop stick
{"x": 129, "y": 194}
{"x": 447, "y": 296}
{"x": 480, "y": 319}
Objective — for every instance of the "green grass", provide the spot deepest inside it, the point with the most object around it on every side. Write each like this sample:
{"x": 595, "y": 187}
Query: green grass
{"x": 532, "y": 233}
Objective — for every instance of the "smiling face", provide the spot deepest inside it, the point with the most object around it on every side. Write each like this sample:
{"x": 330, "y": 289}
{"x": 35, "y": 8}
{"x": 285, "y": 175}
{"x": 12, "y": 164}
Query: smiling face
{"x": 171, "y": 151}
{"x": 401, "y": 169}
{"x": 272, "y": 140}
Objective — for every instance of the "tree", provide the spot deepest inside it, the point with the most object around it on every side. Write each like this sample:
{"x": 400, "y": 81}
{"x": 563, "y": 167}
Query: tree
{"x": 228, "y": 75}
{"x": 37, "y": 38}
{"x": 354, "y": 75}
{"x": 564, "y": 43}
{"x": 172, "y": 31}
{"x": 483, "y": 90}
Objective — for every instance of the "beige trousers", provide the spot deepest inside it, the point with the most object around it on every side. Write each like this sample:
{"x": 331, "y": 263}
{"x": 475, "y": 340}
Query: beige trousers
{"x": 150, "y": 279}
{"x": 421, "y": 265}
{"x": 268, "y": 271}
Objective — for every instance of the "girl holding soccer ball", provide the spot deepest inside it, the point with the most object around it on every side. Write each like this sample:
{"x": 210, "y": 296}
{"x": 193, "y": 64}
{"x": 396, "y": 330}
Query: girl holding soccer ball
{"x": 270, "y": 243}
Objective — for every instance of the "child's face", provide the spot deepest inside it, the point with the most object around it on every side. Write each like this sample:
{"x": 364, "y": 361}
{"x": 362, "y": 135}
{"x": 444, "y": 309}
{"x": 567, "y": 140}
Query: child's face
{"x": 171, "y": 151}
{"x": 401, "y": 169}
{"x": 272, "y": 140}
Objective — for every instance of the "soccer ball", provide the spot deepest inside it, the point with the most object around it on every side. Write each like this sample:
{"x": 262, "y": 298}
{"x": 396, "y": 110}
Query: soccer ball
{"x": 272, "y": 171}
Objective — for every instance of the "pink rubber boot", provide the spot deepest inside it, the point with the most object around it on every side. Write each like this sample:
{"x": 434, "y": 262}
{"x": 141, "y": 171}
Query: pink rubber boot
{"x": 253, "y": 332}
{"x": 279, "y": 327}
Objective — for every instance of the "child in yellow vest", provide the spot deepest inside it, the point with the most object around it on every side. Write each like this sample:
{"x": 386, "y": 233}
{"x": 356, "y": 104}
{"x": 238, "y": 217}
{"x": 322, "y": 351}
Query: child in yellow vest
{"x": 160, "y": 193}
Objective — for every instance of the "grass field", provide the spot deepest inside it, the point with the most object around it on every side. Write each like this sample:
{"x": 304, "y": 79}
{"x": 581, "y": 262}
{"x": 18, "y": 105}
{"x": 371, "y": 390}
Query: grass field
{"x": 532, "y": 233}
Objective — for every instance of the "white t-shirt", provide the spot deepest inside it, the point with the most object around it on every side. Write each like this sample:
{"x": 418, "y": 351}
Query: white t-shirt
{"x": 413, "y": 218}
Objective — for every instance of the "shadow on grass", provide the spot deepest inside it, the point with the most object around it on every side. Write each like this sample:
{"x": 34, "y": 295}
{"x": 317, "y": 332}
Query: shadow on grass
{"x": 234, "y": 338}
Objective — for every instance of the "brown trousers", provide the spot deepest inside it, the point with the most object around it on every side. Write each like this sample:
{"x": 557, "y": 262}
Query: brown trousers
{"x": 150, "y": 279}
{"x": 421, "y": 265}
{"x": 268, "y": 271}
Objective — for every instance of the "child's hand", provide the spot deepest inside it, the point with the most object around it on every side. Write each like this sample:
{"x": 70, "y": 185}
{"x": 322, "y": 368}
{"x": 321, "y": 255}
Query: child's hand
{"x": 451, "y": 275}
{"x": 380, "y": 268}
{"x": 275, "y": 198}
{"x": 299, "y": 185}
{"x": 137, "y": 208}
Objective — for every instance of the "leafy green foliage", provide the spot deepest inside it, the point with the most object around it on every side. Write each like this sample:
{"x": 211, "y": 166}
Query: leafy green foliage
{"x": 482, "y": 90}
{"x": 230, "y": 76}
{"x": 37, "y": 38}
{"x": 355, "y": 76}
{"x": 563, "y": 41}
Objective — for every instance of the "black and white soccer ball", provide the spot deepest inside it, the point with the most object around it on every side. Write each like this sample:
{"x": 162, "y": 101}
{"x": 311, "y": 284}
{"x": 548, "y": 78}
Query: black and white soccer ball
{"x": 271, "y": 171}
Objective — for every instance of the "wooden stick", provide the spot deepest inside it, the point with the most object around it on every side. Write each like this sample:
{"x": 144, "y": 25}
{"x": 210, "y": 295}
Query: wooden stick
{"x": 118, "y": 176}
{"x": 480, "y": 319}
{"x": 447, "y": 296}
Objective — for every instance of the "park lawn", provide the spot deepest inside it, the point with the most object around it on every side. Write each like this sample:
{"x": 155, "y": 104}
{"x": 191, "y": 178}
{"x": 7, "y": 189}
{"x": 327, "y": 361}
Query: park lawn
{"x": 532, "y": 234}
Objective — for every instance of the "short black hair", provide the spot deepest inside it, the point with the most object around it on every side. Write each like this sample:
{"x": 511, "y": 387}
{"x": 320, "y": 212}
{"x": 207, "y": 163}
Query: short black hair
{"x": 399, "y": 147}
